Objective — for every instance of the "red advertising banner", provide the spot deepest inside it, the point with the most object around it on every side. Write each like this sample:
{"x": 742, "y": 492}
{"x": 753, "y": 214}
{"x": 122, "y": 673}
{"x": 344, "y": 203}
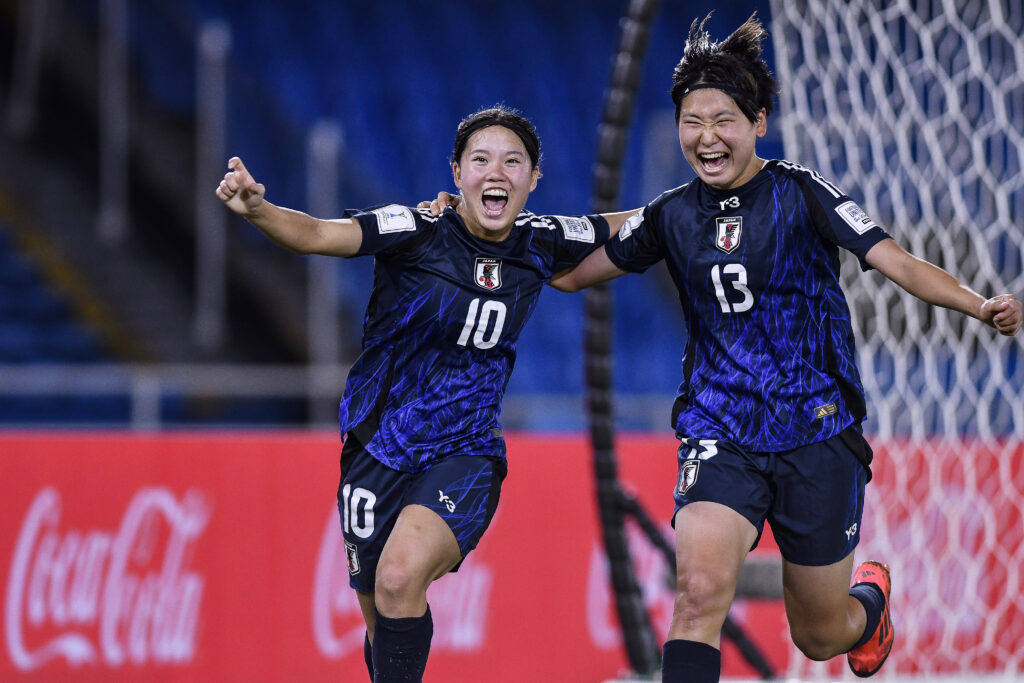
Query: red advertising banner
{"x": 215, "y": 557}
{"x": 218, "y": 557}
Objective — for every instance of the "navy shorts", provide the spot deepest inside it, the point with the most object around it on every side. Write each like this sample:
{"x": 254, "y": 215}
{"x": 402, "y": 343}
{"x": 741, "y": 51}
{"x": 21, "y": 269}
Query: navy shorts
{"x": 463, "y": 490}
{"x": 812, "y": 496}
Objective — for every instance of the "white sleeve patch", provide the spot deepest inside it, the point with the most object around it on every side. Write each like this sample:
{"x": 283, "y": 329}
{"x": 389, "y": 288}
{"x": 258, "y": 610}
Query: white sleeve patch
{"x": 394, "y": 218}
{"x": 627, "y": 228}
{"x": 855, "y": 217}
{"x": 578, "y": 229}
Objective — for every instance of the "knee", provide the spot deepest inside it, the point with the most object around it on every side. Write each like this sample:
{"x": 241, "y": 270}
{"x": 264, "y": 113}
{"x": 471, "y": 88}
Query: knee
{"x": 396, "y": 586}
{"x": 702, "y": 594}
{"x": 816, "y": 642}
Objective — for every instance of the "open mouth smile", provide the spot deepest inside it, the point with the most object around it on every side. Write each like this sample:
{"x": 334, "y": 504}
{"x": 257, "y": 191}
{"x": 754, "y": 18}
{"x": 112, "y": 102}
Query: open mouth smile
{"x": 713, "y": 162}
{"x": 494, "y": 201}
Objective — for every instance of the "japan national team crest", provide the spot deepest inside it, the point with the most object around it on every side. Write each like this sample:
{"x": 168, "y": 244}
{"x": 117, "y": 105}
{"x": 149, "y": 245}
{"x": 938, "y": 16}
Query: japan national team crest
{"x": 729, "y": 230}
{"x": 688, "y": 475}
{"x": 353, "y": 558}
{"x": 487, "y": 273}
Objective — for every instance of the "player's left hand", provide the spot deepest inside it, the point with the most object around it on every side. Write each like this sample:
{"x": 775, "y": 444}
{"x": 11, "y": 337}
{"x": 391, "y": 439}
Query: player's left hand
{"x": 443, "y": 201}
{"x": 1003, "y": 312}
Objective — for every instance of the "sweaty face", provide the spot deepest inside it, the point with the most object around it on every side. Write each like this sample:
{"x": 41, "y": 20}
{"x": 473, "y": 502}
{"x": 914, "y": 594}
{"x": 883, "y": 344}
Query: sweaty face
{"x": 718, "y": 140}
{"x": 495, "y": 177}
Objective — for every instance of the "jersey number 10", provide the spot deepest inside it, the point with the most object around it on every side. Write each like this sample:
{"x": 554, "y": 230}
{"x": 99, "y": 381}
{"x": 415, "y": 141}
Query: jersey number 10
{"x": 490, "y": 309}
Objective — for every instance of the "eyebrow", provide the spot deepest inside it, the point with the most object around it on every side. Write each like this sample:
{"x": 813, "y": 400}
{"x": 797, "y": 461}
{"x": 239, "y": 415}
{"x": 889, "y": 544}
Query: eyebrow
{"x": 479, "y": 150}
{"x": 717, "y": 114}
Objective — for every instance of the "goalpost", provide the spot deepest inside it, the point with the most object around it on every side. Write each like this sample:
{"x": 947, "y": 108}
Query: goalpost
{"x": 916, "y": 109}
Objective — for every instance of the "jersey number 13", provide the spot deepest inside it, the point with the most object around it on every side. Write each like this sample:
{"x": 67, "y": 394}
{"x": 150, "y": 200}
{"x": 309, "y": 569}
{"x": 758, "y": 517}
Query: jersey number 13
{"x": 738, "y": 283}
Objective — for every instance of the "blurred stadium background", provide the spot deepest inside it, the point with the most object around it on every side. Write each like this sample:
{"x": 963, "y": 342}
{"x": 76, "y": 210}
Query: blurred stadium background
{"x": 134, "y": 308}
{"x": 112, "y": 137}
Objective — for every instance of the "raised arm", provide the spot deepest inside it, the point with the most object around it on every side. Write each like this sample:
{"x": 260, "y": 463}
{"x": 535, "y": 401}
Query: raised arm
{"x": 937, "y": 287}
{"x": 291, "y": 229}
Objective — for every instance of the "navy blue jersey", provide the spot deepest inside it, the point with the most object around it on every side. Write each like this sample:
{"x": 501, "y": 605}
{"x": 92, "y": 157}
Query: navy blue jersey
{"x": 439, "y": 337}
{"x": 769, "y": 361}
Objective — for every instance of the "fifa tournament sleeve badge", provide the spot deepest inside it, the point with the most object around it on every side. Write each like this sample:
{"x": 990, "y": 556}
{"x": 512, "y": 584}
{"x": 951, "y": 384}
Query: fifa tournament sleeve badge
{"x": 631, "y": 224}
{"x": 855, "y": 217}
{"x": 577, "y": 229}
{"x": 394, "y": 218}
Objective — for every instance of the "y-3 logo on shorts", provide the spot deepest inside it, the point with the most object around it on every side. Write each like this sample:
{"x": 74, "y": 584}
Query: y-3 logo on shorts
{"x": 851, "y": 531}
{"x": 448, "y": 502}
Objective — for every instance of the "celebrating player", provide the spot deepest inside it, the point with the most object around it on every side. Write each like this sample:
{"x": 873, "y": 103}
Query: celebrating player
{"x": 424, "y": 456}
{"x": 770, "y": 408}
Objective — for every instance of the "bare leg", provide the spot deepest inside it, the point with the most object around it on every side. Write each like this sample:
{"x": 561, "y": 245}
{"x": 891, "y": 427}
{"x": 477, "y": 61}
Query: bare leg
{"x": 712, "y": 542}
{"x": 824, "y": 619}
{"x": 420, "y": 549}
{"x": 366, "y": 605}
{"x": 370, "y": 617}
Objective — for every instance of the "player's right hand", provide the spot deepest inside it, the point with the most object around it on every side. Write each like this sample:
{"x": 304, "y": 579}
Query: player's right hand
{"x": 239, "y": 190}
{"x": 443, "y": 201}
{"x": 1004, "y": 313}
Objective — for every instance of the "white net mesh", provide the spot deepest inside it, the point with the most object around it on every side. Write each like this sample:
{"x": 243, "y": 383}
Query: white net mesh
{"x": 916, "y": 109}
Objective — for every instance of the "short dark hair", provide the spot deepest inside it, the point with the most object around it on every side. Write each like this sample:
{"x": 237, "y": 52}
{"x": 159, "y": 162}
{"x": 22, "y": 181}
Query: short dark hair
{"x": 498, "y": 115}
{"x": 734, "y": 66}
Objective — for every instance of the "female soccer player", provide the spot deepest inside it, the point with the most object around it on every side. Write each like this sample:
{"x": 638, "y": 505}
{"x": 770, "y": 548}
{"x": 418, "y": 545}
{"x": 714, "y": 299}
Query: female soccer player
{"x": 770, "y": 408}
{"x": 424, "y": 456}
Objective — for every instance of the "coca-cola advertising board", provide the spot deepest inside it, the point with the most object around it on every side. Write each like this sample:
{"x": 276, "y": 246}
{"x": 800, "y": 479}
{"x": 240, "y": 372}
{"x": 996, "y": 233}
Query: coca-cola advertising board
{"x": 218, "y": 557}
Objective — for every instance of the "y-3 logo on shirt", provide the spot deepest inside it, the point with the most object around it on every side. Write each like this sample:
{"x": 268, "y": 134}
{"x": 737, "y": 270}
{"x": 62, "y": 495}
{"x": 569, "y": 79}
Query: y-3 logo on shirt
{"x": 730, "y": 203}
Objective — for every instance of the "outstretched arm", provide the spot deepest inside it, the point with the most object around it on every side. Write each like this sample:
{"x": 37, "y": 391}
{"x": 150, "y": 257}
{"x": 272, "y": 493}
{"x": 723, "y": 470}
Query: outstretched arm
{"x": 597, "y": 267}
{"x": 937, "y": 287}
{"x": 291, "y": 229}
{"x": 617, "y": 220}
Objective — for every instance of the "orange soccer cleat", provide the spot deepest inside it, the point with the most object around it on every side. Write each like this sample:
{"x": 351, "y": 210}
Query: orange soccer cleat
{"x": 868, "y": 658}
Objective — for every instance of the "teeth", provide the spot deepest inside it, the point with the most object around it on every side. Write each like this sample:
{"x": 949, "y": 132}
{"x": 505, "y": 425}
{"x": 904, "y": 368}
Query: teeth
{"x": 712, "y": 157}
{"x": 497, "y": 193}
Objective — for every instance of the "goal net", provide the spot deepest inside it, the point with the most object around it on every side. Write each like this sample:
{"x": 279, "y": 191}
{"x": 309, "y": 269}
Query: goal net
{"x": 916, "y": 109}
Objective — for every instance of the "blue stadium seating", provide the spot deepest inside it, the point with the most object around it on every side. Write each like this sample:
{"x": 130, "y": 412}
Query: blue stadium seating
{"x": 368, "y": 65}
{"x": 37, "y": 326}
{"x": 398, "y": 77}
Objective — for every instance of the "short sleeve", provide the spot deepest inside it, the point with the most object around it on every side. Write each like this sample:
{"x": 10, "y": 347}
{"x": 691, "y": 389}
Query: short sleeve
{"x": 572, "y": 238}
{"x": 840, "y": 220}
{"x": 387, "y": 227}
{"x": 638, "y": 246}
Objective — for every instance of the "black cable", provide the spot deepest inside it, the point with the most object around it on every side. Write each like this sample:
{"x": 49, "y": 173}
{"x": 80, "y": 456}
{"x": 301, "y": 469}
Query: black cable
{"x": 613, "y": 502}
{"x": 642, "y": 647}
